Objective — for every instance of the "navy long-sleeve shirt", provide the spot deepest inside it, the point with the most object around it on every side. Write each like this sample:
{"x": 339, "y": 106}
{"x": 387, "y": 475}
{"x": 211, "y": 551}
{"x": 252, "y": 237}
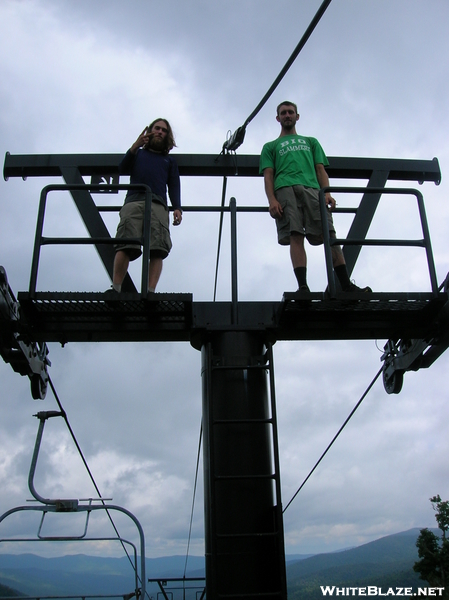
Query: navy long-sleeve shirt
{"x": 158, "y": 171}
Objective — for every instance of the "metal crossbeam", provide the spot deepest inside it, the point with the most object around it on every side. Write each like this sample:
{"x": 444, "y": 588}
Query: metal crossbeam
{"x": 209, "y": 165}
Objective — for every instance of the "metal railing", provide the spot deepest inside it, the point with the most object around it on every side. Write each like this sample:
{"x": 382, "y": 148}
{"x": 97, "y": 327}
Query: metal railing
{"x": 330, "y": 241}
{"x": 233, "y": 209}
{"x": 40, "y": 240}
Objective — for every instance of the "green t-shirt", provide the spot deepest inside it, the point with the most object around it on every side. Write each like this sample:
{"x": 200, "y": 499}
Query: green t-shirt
{"x": 293, "y": 159}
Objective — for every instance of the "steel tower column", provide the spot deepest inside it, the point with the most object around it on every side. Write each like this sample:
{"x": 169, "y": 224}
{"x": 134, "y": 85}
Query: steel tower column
{"x": 243, "y": 515}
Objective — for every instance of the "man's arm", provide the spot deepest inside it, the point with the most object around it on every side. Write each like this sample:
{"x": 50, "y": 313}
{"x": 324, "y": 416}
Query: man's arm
{"x": 141, "y": 141}
{"x": 127, "y": 161}
{"x": 274, "y": 207}
{"x": 323, "y": 180}
{"x": 174, "y": 191}
{"x": 177, "y": 216}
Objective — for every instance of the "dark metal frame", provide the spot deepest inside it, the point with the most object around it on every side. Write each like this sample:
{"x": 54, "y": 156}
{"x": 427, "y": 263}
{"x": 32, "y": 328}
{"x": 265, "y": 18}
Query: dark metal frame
{"x": 104, "y": 167}
{"x": 53, "y": 316}
{"x": 231, "y": 327}
{"x": 26, "y": 356}
{"x": 242, "y": 488}
{"x": 356, "y": 243}
{"x": 98, "y": 241}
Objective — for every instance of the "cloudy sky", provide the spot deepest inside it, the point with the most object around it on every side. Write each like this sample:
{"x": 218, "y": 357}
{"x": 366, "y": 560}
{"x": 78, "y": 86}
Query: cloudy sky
{"x": 86, "y": 77}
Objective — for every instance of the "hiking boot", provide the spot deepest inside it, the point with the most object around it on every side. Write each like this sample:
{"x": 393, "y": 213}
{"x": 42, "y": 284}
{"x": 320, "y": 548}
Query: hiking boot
{"x": 353, "y": 288}
{"x": 111, "y": 294}
{"x": 303, "y": 298}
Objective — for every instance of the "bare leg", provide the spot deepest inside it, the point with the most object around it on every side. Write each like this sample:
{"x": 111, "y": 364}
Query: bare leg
{"x": 155, "y": 271}
{"x": 337, "y": 254}
{"x": 121, "y": 263}
{"x": 297, "y": 251}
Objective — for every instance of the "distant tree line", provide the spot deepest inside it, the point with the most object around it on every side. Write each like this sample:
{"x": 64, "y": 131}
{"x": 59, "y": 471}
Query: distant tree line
{"x": 434, "y": 550}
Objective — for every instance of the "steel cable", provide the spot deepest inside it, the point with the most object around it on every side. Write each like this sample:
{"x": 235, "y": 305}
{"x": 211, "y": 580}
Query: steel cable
{"x": 194, "y": 497}
{"x": 238, "y": 136}
{"x": 236, "y": 139}
{"x": 220, "y": 230}
{"x": 335, "y": 437}
{"x": 75, "y": 441}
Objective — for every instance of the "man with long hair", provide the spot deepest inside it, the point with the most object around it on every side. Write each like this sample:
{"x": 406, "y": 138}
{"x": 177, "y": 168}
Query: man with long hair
{"x": 294, "y": 170}
{"x": 148, "y": 162}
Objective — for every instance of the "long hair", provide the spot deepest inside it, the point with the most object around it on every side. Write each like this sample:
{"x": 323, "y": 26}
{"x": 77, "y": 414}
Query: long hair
{"x": 169, "y": 138}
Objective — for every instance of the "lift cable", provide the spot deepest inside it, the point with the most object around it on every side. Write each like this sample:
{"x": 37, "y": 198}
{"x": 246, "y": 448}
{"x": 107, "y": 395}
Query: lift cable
{"x": 236, "y": 139}
{"x": 335, "y": 437}
{"x": 238, "y": 136}
{"x": 64, "y": 415}
{"x": 194, "y": 497}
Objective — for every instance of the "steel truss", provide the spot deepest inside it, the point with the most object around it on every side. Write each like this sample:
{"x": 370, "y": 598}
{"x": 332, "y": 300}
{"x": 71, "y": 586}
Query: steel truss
{"x": 233, "y": 336}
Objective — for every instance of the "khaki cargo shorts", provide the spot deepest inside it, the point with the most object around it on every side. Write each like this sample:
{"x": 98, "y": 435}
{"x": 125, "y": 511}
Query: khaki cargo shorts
{"x": 131, "y": 226}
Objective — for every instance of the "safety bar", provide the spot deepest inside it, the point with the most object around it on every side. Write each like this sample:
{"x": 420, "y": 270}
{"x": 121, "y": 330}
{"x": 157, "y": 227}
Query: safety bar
{"x": 48, "y": 505}
{"x": 40, "y": 240}
{"x": 88, "y": 508}
{"x": 166, "y": 586}
{"x": 329, "y": 242}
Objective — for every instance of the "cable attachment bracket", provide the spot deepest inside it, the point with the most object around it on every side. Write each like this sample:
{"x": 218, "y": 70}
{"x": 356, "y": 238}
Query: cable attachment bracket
{"x": 413, "y": 354}
{"x": 235, "y": 141}
{"x": 25, "y": 357}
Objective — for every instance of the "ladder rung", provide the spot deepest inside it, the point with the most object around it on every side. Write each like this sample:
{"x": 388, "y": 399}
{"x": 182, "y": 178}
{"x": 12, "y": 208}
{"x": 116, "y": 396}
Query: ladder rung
{"x": 231, "y": 477}
{"x": 242, "y": 535}
{"x": 239, "y": 367}
{"x": 237, "y": 421}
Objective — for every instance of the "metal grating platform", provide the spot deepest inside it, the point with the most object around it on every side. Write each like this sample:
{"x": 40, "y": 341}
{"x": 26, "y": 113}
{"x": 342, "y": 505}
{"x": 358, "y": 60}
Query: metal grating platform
{"x": 95, "y": 316}
{"x": 82, "y": 317}
{"x": 361, "y": 316}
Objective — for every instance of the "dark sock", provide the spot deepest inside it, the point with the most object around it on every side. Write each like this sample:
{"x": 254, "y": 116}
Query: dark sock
{"x": 301, "y": 275}
{"x": 343, "y": 276}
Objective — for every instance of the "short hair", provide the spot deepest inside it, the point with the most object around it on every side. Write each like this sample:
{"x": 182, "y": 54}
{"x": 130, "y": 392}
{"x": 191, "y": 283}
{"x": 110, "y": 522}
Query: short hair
{"x": 169, "y": 138}
{"x": 287, "y": 103}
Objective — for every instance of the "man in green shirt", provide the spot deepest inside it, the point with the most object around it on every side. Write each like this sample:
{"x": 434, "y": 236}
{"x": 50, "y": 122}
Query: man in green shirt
{"x": 293, "y": 167}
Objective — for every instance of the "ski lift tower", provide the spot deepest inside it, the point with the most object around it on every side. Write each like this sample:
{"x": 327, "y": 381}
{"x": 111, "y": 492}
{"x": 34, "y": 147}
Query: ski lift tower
{"x": 243, "y": 509}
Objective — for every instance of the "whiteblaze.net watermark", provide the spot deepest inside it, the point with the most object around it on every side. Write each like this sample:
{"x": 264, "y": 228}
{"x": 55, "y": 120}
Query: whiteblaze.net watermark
{"x": 372, "y": 590}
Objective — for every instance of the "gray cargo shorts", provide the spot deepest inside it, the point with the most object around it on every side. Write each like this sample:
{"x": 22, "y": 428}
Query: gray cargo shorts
{"x": 301, "y": 214}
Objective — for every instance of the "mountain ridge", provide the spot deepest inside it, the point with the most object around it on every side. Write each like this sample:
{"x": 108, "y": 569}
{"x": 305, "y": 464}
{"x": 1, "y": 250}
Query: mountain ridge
{"x": 385, "y": 562}
{"x": 388, "y": 559}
